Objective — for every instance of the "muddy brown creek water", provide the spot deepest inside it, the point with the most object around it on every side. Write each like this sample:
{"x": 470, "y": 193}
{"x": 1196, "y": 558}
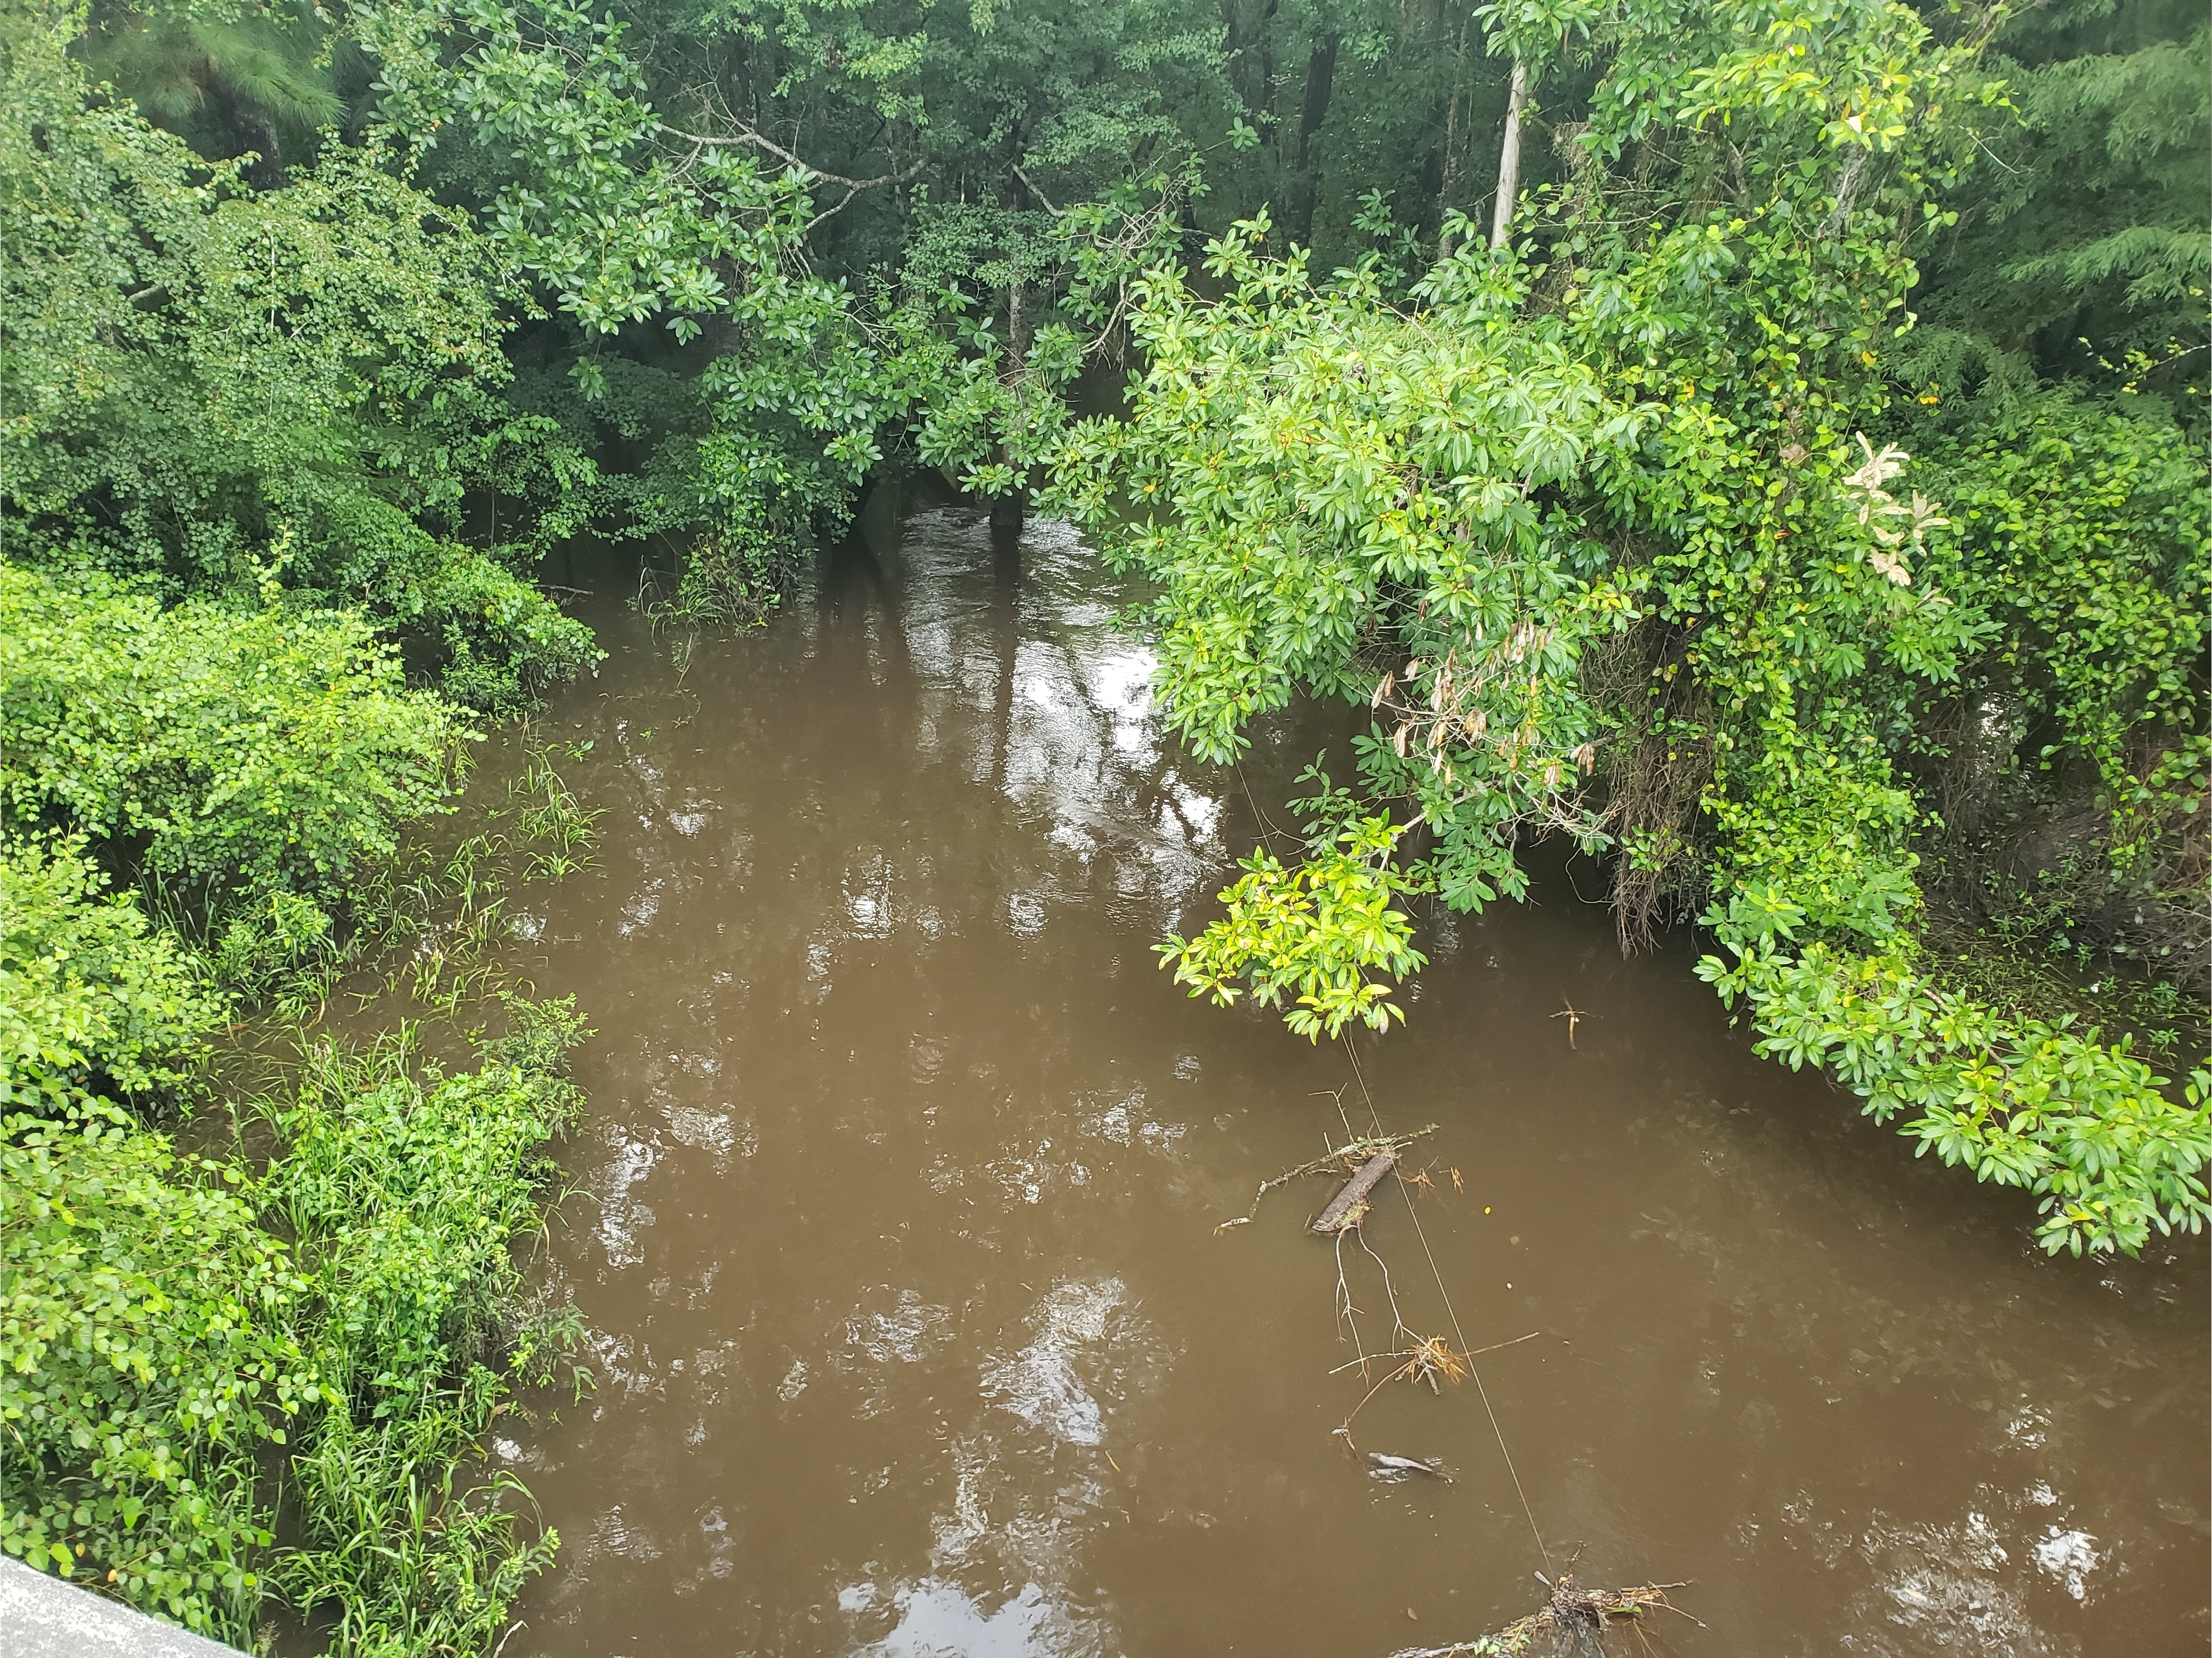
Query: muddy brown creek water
{"x": 900, "y": 1179}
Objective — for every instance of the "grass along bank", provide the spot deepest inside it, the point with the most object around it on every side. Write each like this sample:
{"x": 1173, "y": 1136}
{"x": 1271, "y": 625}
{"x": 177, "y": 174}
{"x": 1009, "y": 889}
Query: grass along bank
{"x": 250, "y": 1379}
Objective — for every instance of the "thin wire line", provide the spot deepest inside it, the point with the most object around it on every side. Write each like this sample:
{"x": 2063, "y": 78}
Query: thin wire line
{"x": 1481, "y": 1392}
{"x": 1267, "y": 828}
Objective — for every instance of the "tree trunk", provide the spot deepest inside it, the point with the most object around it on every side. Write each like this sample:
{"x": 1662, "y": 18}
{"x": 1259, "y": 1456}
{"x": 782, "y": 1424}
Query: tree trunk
{"x": 1251, "y": 68}
{"x": 1509, "y": 159}
{"x": 1007, "y": 511}
{"x": 1320, "y": 84}
{"x": 1449, "y": 186}
{"x": 252, "y": 130}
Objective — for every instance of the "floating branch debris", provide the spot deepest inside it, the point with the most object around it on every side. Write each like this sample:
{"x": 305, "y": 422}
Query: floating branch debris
{"x": 1576, "y": 1619}
{"x": 1350, "y": 1159}
{"x": 1392, "y": 1469}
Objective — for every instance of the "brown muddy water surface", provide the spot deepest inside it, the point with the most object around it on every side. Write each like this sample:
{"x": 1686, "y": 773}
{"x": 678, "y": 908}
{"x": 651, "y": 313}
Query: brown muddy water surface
{"x": 903, "y": 1161}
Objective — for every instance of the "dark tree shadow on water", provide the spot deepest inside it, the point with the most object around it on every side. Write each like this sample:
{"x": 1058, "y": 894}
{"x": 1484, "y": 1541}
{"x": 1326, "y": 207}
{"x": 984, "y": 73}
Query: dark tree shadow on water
{"x": 1005, "y": 633}
{"x": 858, "y": 583}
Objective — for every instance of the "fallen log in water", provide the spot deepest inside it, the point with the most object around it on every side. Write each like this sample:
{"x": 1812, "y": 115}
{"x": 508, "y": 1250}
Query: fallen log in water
{"x": 1348, "y": 1208}
{"x": 1345, "y": 1159}
{"x": 1577, "y": 1619}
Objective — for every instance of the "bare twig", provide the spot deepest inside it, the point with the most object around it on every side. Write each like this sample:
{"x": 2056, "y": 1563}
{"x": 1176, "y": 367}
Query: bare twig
{"x": 1035, "y": 191}
{"x": 1398, "y": 1327}
{"x": 1574, "y": 1016}
{"x": 744, "y": 135}
{"x": 1346, "y": 1314}
{"x": 1408, "y": 1353}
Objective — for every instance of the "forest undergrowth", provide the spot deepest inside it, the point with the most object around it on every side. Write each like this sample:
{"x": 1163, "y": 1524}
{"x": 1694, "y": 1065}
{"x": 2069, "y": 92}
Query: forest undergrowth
{"x": 251, "y": 1380}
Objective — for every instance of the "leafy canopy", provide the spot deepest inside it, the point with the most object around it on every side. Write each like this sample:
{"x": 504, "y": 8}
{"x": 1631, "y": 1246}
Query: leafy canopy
{"x": 1593, "y": 527}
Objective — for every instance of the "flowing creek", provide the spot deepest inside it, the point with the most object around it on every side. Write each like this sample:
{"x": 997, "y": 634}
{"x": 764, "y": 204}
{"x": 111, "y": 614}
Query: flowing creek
{"x": 898, "y": 1190}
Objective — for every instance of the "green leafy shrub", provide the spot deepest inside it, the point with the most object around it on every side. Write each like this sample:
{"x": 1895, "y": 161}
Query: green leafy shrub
{"x": 147, "y": 1345}
{"x": 405, "y": 1189}
{"x": 2085, "y": 1126}
{"x": 2071, "y": 761}
{"x": 156, "y": 1332}
{"x": 736, "y": 572}
{"x": 1311, "y": 933}
{"x": 85, "y": 986}
{"x": 223, "y": 754}
{"x": 408, "y": 1190}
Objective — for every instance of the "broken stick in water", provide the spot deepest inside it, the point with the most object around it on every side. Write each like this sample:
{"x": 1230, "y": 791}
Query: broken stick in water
{"x": 1349, "y": 1207}
{"x": 1391, "y": 1469}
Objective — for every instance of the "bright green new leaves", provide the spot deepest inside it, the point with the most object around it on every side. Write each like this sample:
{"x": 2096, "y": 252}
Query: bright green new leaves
{"x": 1312, "y": 934}
{"x": 1856, "y": 74}
{"x": 147, "y": 1345}
{"x": 243, "y": 754}
{"x": 84, "y": 985}
{"x": 2085, "y": 1126}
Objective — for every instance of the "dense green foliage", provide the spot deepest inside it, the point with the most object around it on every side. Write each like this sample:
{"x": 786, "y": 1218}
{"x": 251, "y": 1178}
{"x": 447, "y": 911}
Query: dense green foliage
{"x": 2068, "y": 760}
{"x": 214, "y": 388}
{"x": 145, "y": 1354}
{"x": 1594, "y": 526}
{"x": 240, "y": 755}
{"x": 405, "y": 1191}
{"x": 85, "y": 984}
{"x": 1798, "y": 503}
{"x": 167, "y": 1315}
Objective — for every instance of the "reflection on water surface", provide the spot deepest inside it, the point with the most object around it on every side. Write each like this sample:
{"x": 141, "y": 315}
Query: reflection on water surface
{"x": 913, "y": 1333}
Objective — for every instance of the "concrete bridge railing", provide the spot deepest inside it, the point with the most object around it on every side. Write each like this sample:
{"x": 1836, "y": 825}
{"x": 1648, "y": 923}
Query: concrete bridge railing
{"x": 45, "y": 1617}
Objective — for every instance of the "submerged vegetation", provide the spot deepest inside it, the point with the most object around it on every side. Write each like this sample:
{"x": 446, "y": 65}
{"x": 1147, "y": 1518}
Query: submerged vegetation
{"x": 1759, "y": 447}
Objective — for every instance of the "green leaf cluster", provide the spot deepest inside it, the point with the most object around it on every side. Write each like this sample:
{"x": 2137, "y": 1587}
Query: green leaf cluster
{"x": 1311, "y": 933}
{"x": 166, "y": 1319}
{"x": 1593, "y": 525}
{"x": 2081, "y": 1124}
{"x": 225, "y": 755}
{"x": 86, "y": 988}
{"x": 148, "y": 1349}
